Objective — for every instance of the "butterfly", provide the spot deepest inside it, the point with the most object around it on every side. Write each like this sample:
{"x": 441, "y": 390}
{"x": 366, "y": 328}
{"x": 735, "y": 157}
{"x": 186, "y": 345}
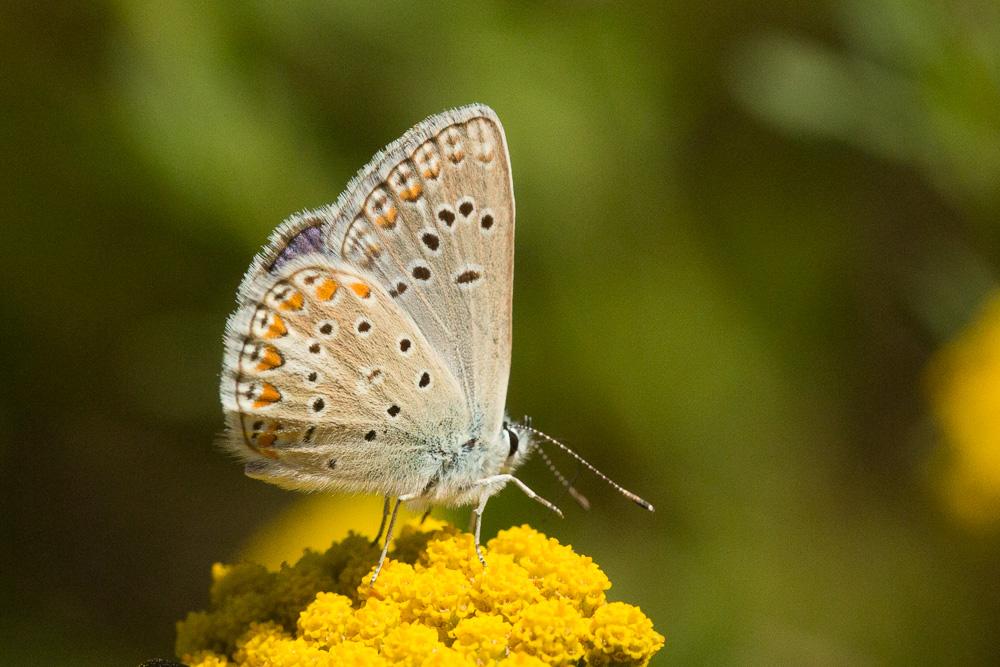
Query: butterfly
{"x": 370, "y": 348}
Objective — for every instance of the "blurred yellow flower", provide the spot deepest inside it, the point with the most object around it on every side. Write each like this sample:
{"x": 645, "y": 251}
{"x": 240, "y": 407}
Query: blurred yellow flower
{"x": 538, "y": 603}
{"x": 964, "y": 387}
{"x": 207, "y": 659}
{"x": 311, "y": 522}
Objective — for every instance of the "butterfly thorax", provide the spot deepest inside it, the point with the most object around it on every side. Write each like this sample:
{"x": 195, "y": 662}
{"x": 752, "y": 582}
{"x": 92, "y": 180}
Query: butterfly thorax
{"x": 458, "y": 480}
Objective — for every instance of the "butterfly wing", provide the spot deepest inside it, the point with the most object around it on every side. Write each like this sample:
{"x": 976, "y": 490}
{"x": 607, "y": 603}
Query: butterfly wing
{"x": 438, "y": 232}
{"x": 428, "y": 225}
{"x": 329, "y": 384}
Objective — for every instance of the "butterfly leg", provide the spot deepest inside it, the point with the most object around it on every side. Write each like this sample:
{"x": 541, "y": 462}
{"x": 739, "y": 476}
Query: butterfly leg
{"x": 388, "y": 533}
{"x": 496, "y": 479}
{"x": 472, "y": 522}
{"x": 478, "y": 515}
{"x": 426, "y": 514}
{"x": 381, "y": 526}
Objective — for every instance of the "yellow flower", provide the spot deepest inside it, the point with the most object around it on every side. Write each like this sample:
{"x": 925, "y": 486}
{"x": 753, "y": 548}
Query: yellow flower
{"x": 482, "y": 638}
{"x": 266, "y": 645}
{"x": 557, "y": 569}
{"x": 352, "y": 653}
{"x": 326, "y": 620}
{"x": 395, "y": 583}
{"x": 502, "y": 587}
{"x": 261, "y": 644}
{"x": 441, "y": 598}
{"x": 410, "y": 644}
{"x": 523, "y": 660}
{"x": 447, "y": 657}
{"x": 231, "y": 580}
{"x": 454, "y": 552}
{"x": 505, "y": 588}
{"x": 964, "y": 387}
{"x": 553, "y": 630}
{"x": 206, "y": 659}
{"x": 620, "y": 634}
{"x": 434, "y": 605}
{"x": 373, "y": 621}
{"x": 311, "y": 522}
{"x": 412, "y": 540}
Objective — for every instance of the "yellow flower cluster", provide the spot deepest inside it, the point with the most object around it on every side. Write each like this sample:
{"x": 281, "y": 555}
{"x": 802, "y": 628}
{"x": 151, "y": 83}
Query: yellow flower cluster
{"x": 537, "y": 603}
{"x": 964, "y": 385}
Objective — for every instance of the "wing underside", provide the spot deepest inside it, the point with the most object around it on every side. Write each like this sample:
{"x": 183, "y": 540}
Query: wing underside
{"x": 426, "y": 230}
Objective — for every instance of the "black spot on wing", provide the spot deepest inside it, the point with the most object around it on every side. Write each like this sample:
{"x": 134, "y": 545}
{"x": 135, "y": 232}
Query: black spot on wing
{"x": 468, "y": 277}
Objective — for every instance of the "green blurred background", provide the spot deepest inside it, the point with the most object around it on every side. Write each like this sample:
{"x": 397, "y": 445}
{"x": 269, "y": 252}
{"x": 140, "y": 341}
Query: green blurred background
{"x": 744, "y": 229}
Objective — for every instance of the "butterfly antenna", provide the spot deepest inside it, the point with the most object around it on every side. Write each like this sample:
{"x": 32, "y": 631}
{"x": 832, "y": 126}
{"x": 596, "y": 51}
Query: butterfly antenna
{"x": 622, "y": 490}
{"x": 577, "y": 496}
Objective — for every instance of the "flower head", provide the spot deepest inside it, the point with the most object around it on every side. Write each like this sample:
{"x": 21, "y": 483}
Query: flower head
{"x": 553, "y": 630}
{"x": 327, "y": 620}
{"x": 963, "y": 383}
{"x": 620, "y": 634}
{"x": 410, "y": 644}
{"x": 537, "y": 603}
{"x": 556, "y": 568}
{"x": 482, "y": 638}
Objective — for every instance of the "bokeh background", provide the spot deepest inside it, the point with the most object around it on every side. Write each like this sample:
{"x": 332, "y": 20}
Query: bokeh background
{"x": 757, "y": 248}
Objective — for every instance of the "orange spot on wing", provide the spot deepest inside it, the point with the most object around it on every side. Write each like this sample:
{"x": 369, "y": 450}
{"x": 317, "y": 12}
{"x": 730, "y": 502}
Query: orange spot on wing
{"x": 276, "y": 329}
{"x": 293, "y": 301}
{"x": 268, "y": 394}
{"x": 326, "y": 289}
{"x": 263, "y": 442}
{"x": 413, "y": 192}
{"x": 361, "y": 290}
{"x": 270, "y": 359}
{"x": 387, "y": 219}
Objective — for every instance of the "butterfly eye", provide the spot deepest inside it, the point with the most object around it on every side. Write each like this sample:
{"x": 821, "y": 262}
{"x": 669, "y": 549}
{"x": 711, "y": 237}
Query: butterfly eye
{"x": 513, "y": 441}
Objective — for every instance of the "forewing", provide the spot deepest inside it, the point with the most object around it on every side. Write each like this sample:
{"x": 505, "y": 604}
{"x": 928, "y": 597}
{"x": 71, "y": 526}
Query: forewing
{"x": 328, "y": 383}
{"x": 437, "y": 230}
